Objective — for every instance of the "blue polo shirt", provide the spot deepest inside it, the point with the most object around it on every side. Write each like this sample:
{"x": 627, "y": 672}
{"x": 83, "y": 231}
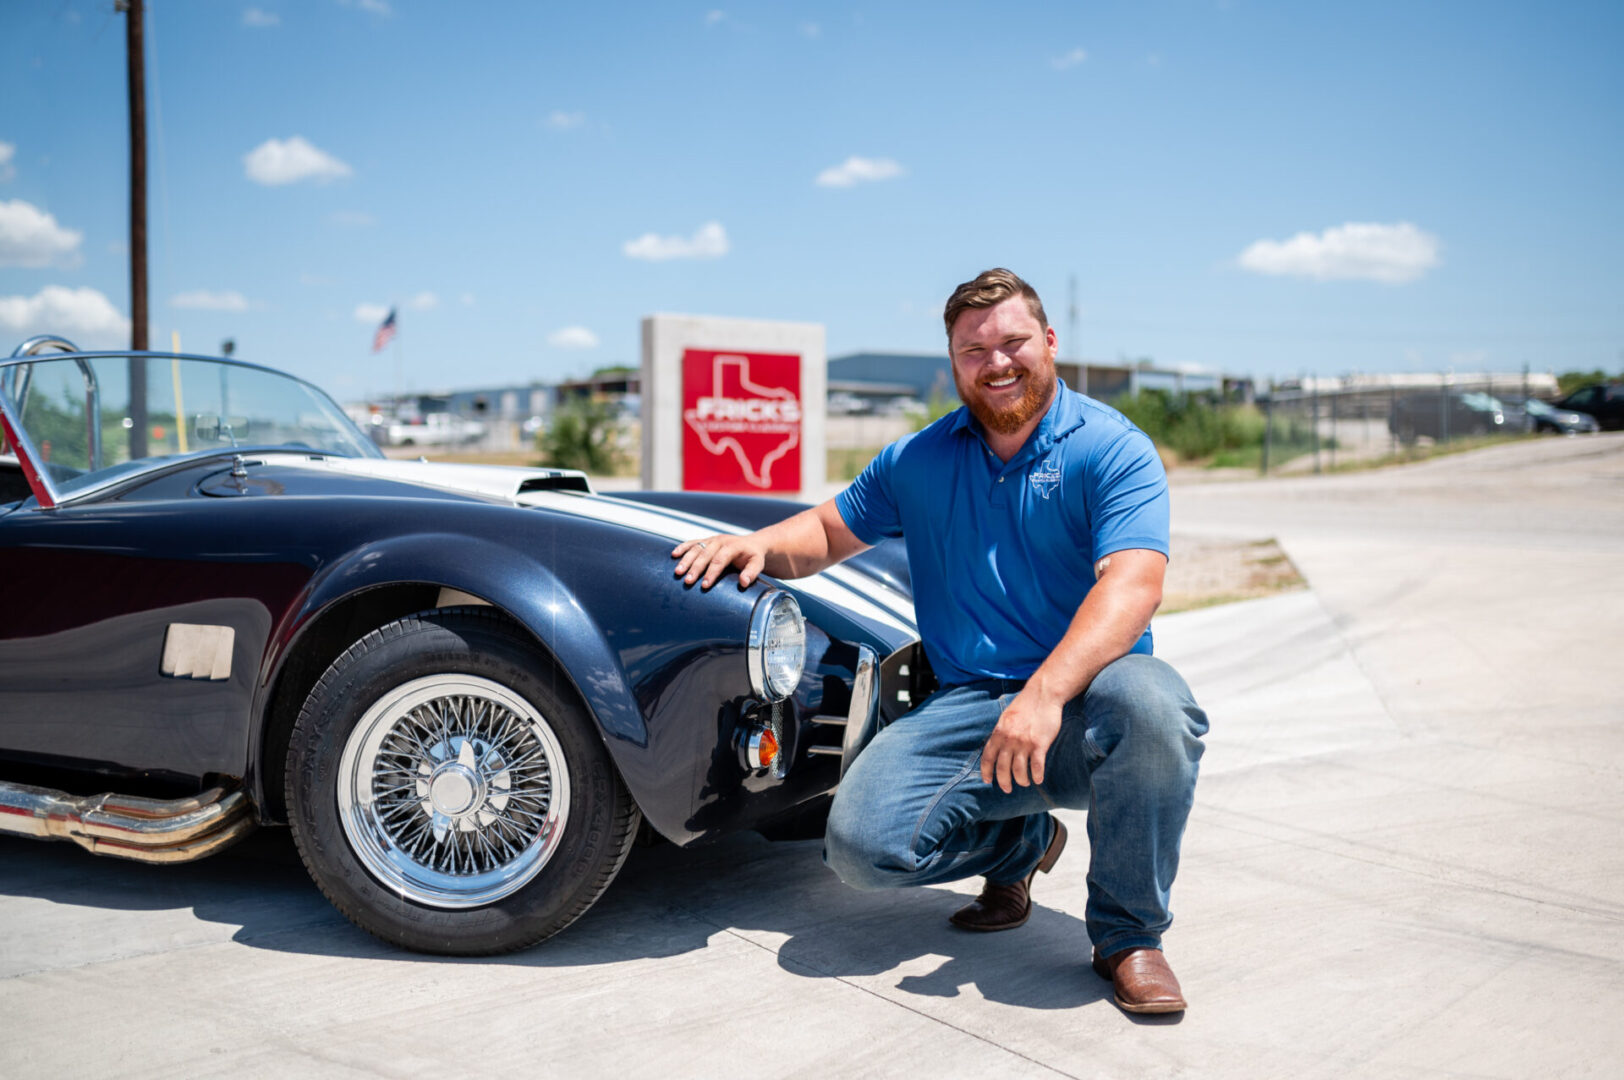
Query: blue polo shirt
{"x": 1002, "y": 555}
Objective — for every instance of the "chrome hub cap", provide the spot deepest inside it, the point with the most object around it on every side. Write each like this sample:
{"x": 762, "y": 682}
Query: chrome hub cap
{"x": 453, "y": 791}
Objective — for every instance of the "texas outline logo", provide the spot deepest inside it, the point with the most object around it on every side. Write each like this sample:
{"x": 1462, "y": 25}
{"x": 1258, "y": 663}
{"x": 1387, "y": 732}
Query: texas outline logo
{"x": 1046, "y": 477}
{"x": 739, "y": 411}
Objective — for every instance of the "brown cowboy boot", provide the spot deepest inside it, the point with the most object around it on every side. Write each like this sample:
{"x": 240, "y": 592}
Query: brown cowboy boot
{"x": 1004, "y": 907}
{"x": 1142, "y": 981}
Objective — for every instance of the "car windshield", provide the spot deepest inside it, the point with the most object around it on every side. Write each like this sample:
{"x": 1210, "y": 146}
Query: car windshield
{"x": 1536, "y": 407}
{"x": 77, "y": 411}
{"x": 1481, "y": 403}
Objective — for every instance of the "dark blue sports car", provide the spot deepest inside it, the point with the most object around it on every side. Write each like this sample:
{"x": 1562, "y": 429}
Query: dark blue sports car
{"x": 467, "y": 689}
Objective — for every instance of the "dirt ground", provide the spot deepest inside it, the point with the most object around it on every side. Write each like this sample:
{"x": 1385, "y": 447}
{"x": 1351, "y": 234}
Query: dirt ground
{"x": 1203, "y": 572}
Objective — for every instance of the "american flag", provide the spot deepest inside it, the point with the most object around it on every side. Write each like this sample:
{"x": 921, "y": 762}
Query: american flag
{"x": 385, "y": 334}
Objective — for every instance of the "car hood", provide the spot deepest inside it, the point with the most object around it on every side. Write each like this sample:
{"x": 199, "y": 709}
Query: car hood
{"x": 568, "y": 492}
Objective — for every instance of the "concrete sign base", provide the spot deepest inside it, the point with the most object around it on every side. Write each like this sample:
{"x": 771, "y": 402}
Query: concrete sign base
{"x": 734, "y": 405}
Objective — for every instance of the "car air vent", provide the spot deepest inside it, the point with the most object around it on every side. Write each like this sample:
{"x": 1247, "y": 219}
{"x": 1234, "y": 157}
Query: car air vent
{"x": 556, "y": 482}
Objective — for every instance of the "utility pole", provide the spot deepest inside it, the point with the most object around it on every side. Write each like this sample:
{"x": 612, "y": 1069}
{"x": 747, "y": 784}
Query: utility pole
{"x": 135, "y": 53}
{"x": 1071, "y": 330}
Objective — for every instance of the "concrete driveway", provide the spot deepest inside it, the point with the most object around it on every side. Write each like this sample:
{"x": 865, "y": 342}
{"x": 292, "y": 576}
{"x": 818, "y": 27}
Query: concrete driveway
{"x": 1406, "y": 860}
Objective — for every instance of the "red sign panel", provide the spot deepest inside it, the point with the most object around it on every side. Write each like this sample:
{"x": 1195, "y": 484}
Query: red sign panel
{"x": 741, "y": 421}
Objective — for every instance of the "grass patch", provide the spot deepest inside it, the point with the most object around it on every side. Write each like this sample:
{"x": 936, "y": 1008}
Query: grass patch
{"x": 845, "y": 464}
{"x": 1251, "y": 457}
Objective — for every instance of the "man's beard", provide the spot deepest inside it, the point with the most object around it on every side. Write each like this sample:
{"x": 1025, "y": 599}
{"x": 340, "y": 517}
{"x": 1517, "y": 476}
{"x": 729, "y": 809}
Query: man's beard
{"x": 1010, "y": 418}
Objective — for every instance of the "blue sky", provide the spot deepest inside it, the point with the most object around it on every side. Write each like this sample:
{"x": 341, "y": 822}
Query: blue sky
{"x": 1263, "y": 188}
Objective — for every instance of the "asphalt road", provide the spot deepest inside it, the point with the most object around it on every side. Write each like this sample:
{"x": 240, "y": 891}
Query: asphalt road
{"x": 1405, "y": 861}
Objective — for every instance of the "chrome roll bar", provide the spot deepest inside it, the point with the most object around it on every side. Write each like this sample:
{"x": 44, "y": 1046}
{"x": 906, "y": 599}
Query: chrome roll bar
{"x": 19, "y": 393}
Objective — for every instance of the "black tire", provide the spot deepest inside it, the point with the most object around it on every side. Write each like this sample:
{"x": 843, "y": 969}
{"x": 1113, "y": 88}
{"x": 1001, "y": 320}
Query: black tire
{"x": 500, "y": 730}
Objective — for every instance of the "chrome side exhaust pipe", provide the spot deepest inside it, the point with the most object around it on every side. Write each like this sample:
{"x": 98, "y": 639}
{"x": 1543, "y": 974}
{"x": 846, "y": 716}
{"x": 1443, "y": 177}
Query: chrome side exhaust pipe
{"x": 127, "y": 826}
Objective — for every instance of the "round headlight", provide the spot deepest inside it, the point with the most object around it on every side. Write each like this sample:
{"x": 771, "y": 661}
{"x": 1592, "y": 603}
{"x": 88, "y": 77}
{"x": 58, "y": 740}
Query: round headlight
{"x": 777, "y": 646}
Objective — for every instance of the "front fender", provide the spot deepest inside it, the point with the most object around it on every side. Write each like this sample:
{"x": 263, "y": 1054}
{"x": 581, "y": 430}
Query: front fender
{"x": 507, "y": 579}
{"x": 601, "y": 600}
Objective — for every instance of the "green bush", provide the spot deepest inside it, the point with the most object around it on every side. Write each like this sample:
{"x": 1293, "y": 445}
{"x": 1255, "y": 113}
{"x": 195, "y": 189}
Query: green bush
{"x": 937, "y": 407}
{"x": 1569, "y": 381}
{"x": 1194, "y": 427}
{"x": 581, "y": 435}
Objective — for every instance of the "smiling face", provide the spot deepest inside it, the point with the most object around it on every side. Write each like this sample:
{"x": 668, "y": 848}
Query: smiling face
{"x": 1003, "y": 366}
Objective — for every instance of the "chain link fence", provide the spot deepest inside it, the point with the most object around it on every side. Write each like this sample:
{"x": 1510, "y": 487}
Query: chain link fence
{"x": 1312, "y": 427}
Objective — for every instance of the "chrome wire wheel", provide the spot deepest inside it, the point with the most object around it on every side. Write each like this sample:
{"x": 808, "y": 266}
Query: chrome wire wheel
{"x": 453, "y": 791}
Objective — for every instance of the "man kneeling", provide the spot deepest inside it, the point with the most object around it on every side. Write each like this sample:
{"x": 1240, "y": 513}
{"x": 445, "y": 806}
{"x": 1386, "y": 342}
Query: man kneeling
{"x": 1036, "y": 524}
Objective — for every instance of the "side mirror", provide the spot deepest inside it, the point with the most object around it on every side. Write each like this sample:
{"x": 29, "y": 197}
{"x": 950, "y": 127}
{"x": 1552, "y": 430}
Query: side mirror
{"x": 212, "y": 427}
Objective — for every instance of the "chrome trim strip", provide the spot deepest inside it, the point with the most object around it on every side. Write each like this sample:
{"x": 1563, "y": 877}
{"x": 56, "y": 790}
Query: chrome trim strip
{"x": 863, "y": 719}
{"x": 126, "y": 826}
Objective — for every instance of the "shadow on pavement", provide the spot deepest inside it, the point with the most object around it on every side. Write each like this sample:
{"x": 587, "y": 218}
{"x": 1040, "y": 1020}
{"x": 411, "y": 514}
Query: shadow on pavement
{"x": 667, "y": 902}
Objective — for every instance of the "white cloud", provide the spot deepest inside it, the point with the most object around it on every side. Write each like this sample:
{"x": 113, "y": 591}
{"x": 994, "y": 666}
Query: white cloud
{"x": 1357, "y": 250}
{"x": 276, "y": 161}
{"x": 377, "y": 7}
{"x": 466, "y": 299}
{"x": 857, "y": 170}
{"x": 714, "y": 16}
{"x": 1069, "y": 60}
{"x": 709, "y": 241}
{"x": 353, "y": 219}
{"x": 30, "y": 236}
{"x": 559, "y": 120}
{"x": 371, "y": 313}
{"x": 8, "y": 153}
{"x": 573, "y": 337}
{"x": 811, "y": 30}
{"x": 423, "y": 301}
{"x": 82, "y": 315}
{"x": 260, "y": 19}
{"x": 203, "y": 300}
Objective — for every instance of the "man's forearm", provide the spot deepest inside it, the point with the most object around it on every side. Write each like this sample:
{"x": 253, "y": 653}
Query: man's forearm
{"x": 796, "y": 547}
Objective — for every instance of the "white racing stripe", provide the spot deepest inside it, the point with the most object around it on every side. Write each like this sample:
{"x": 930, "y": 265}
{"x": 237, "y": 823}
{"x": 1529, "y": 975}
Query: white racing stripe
{"x": 500, "y": 481}
{"x": 838, "y": 585}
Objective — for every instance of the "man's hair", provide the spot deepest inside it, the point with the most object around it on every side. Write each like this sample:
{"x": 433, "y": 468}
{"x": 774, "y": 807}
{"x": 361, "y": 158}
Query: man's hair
{"x": 988, "y": 289}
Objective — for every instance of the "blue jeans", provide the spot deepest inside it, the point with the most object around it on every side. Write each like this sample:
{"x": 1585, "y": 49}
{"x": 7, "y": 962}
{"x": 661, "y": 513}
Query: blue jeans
{"x": 913, "y": 810}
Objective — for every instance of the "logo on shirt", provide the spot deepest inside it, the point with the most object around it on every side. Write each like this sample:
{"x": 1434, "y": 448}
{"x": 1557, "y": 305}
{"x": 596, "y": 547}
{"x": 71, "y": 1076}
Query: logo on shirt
{"x": 1045, "y": 477}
